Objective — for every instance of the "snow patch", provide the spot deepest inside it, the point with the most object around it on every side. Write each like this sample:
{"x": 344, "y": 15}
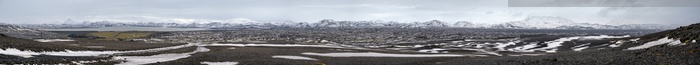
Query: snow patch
{"x": 80, "y": 53}
{"x": 373, "y": 54}
{"x": 524, "y": 48}
{"x": 620, "y": 42}
{"x": 527, "y": 55}
{"x": 676, "y": 42}
{"x": 484, "y": 51}
{"x": 17, "y": 52}
{"x": 502, "y": 46}
{"x": 435, "y": 50}
{"x": 653, "y": 43}
{"x": 140, "y": 60}
{"x": 580, "y": 47}
{"x": 293, "y": 57}
{"x": 551, "y": 46}
{"x": 274, "y": 45}
{"x": 634, "y": 40}
{"x": 83, "y": 62}
{"x": 52, "y": 40}
{"x": 476, "y": 55}
{"x": 86, "y": 62}
{"x": 219, "y": 63}
{"x": 616, "y": 44}
{"x": 29, "y": 53}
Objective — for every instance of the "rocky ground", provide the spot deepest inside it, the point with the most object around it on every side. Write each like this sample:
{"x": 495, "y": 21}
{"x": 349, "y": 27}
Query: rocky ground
{"x": 25, "y": 44}
{"x": 685, "y": 54}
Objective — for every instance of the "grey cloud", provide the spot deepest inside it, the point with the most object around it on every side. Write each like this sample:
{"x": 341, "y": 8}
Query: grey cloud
{"x": 604, "y": 3}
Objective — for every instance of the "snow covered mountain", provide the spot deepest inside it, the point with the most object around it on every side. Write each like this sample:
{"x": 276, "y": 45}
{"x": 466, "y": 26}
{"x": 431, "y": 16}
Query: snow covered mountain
{"x": 432, "y": 23}
{"x": 533, "y": 22}
{"x": 378, "y": 23}
{"x": 25, "y": 32}
{"x": 332, "y": 23}
{"x": 467, "y": 24}
{"x": 549, "y": 22}
{"x": 539, "y": 22}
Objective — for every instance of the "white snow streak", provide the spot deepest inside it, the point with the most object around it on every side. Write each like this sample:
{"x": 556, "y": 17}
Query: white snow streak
{"x": 527, "y": 55}
{"x": 502, "y": 46}
{"x": 484, "y": 51}
{"x": 620, "y": 42}
{"x": 52, "y": 40}
{"x": 654, "y": 43}
{"x": 29, "y": 53}
{"x": 580, "y": 47}
{"x": 140, "y": 60}
{"x": 17, "y": 52}
{"x": 524, "y": 48}
{"x": 219, "y": 63}
{"x": 677, "y": 42}
{"x": 274, "y": 45}
{"x": 435, "y": 50}
{"x": 551, "y": 46}
{"x": 293, "y": 57}
{"x": 373, "y": 54}
{"x": 616, "y": 44}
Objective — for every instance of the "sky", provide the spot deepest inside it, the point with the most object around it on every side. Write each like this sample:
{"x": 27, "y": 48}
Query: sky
{"x": 477, "y": 11}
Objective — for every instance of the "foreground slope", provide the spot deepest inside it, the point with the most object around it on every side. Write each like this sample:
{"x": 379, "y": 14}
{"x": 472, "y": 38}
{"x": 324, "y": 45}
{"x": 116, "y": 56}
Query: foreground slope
{"x": 684, "y": 53}
{"x": 24, "y": 44}
{"x": 667, "y": 53}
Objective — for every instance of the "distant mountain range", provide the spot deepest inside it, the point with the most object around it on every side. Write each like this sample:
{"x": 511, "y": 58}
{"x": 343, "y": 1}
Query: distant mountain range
{"x": 26, "y": 32}
{"x": 533, "y": 22}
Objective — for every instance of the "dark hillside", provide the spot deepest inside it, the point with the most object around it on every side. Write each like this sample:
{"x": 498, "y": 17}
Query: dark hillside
{"x": 687, "y": 54}
{"x": 684, "y": 33}
{"x": 24, "y": 44}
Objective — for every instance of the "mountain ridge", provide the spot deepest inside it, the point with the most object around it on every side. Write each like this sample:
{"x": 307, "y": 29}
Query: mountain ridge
{"x": 26, "y": 32}
{"x": 532, "y": 22}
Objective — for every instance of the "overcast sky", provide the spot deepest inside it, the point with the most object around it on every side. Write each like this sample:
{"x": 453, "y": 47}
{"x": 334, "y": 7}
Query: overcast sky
{"x": 478, "y": 11}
